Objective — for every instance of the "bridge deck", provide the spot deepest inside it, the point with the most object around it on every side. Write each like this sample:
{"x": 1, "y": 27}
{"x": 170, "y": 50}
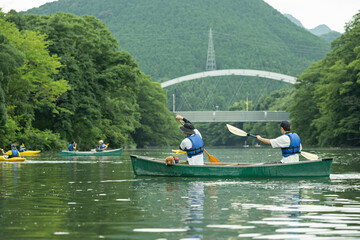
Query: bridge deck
{"x": 235, "y": 116}
{"x": 231, "y": 72}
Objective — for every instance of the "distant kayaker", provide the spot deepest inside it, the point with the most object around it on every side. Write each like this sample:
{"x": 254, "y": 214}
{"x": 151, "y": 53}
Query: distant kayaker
{"x": 72, "y": 146}
{"x": 101, "y": 147}
{"x": 13, "y": 152}
{"x": 289, "y": 143}
{"x": 193, "y": 143}
{"x": 22, "y": 148}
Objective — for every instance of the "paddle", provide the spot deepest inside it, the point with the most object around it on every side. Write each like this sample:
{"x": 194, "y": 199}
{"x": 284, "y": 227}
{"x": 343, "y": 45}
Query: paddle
{"x": 242, "y": 133}
{"x": 178, "y": 151}
{"x": 211, "y": 158}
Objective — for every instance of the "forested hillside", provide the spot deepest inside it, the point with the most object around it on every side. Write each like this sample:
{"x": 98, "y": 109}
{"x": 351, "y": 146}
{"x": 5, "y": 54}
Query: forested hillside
{"x": 326, "y": 105}
{"x": 169, "y": 38}
{"x": 64, "y": 80}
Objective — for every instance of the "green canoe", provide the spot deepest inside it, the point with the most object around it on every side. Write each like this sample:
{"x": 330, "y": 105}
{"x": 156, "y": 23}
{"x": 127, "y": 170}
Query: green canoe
{"x": 113, "y": 152}
{"x": 148, "y": 166}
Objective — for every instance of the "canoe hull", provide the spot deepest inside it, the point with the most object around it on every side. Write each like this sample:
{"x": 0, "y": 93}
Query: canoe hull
{"x": 147, "y": 166}
{"x": 114, "y": 152}
{"x": 14, "y": 159}
{"x": 30, "y": 153}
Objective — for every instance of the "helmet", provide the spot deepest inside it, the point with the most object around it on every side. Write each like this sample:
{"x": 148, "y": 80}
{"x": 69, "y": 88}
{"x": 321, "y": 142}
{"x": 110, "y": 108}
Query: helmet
{"x": 13, "y": 146}
{"x": 101, "y": 141}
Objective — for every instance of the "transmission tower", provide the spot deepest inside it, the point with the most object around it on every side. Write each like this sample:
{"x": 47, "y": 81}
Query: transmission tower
{"x": 210, "y": 61}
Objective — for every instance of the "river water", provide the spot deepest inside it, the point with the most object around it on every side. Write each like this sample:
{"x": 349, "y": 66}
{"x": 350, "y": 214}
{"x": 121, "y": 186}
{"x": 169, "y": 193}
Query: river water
{"x": 53, "y": 197}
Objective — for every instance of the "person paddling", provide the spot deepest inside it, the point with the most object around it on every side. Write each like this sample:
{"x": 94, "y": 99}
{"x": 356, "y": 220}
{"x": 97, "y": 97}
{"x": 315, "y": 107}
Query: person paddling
{"x": 22, "y": 148}
{"x": 289, "y": 143}
{"x": 12, "y": 153}
{"x": 193, "y": 143}
{"x": 72, "y": 146}
{"x": 101, "y": 147}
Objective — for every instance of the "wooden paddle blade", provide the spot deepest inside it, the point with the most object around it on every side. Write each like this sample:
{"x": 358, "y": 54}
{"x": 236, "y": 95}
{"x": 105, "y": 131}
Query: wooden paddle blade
{"x": 236, "y": 131}
{"x": 211, "y": 158}
{"x": 178, "y": 151}
{"x": 309, "y": 156}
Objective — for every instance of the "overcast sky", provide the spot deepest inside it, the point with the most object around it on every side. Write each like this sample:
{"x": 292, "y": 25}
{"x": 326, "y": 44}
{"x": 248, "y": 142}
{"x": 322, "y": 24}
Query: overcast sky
{"x": 311, "y": 13}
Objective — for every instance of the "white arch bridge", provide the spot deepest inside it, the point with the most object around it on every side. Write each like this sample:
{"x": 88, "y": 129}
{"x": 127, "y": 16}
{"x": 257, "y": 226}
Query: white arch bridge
{"x": 233, "y": 116}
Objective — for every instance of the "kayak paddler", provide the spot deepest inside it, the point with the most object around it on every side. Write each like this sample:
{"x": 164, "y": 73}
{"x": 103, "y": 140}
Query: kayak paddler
{"x": 12, "y": 153}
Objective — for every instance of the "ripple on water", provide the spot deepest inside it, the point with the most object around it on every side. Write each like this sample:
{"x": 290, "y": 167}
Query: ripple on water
{"x": 159, "y": 230}
{"x": 303, "y": 208}
{"x": 229, "y": 226}
{"x": 345, "y": 176}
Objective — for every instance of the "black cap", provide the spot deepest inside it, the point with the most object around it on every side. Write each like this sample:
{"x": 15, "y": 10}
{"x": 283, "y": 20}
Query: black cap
{"x": 188, "y": 128}
{"x": 285, "y": 125}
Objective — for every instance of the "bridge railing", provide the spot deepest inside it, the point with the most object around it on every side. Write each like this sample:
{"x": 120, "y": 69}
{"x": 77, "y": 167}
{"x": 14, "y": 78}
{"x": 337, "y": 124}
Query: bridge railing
{"x": 235, "y": 116}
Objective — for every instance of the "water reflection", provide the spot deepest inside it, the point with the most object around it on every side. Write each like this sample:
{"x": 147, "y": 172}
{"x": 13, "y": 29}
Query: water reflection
{"x": 251, "y": 208}
{"x": 10, "y": 171}
{"x": 87, "y": 198}
{"x": 195, "y": 208}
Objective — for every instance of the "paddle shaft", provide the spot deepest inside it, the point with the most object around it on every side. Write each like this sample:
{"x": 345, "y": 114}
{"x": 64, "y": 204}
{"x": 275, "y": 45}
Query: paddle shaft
{"x": 251, "y": 135}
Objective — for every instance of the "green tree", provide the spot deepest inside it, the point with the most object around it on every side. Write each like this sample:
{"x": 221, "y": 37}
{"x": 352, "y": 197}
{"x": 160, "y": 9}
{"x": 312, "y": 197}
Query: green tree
{"x": 157, "y": 125}
{"x": 30, "y": 84}
{"x": 326, "y": 106}
{"x": 108, "y": 91}
{"x": 10, "y": 59}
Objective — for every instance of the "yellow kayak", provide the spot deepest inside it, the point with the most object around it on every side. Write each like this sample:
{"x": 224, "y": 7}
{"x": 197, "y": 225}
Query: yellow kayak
{"x": 14, "y": 159}
{"x": 30, "y": 153}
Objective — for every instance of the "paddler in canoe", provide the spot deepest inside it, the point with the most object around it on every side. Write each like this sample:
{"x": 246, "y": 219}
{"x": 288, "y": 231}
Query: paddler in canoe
{"x": 102, "y": 147}
{"x": 289, "y": 143}
{"x": 193, "y": 143}
{"x": 11, "y": 153}
{"x": 72, "y": 146}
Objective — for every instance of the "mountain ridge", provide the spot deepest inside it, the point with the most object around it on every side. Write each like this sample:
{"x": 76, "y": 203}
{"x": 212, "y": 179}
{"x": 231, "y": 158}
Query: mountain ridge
{"x": 169, "y": 38}
{"x": 322, "y": 30}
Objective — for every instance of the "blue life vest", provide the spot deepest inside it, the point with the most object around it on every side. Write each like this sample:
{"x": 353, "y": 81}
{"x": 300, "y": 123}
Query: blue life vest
{"x": 15, "y": 153}
{"x": 294, "y": 147}
{"x": 197, "y": 146}
{"x": 102, "y": 146}
{"x": 71, "y": 147}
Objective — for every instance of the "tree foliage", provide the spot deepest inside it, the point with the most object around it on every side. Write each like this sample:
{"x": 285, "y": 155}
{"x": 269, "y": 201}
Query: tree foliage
{"x": 326, "y": 107}
{"x": 27, "y": 80}
{"x": 105, "y": 89}
{"x": 10, "y": 59}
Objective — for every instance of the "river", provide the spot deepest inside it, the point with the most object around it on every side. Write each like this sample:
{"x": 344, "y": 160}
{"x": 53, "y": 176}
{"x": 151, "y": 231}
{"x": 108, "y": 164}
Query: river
{"x": 53, "y": 197}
